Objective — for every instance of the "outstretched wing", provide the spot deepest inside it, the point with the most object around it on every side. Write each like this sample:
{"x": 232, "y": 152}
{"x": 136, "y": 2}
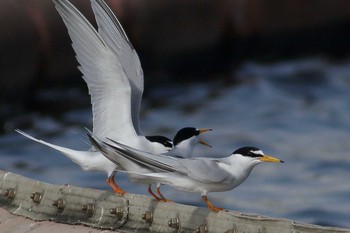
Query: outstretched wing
{"x": 115, "y": 37}
{"x": 102, "y": 71}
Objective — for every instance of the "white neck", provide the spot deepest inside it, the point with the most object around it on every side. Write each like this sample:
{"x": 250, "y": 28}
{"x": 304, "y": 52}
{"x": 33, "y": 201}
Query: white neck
{"x": 185, "y": 148}
{"x": 239, "y": 166}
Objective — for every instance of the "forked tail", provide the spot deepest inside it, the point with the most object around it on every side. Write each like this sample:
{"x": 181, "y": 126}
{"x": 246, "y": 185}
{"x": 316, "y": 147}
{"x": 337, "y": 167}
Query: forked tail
{"x": 85, "y": 159}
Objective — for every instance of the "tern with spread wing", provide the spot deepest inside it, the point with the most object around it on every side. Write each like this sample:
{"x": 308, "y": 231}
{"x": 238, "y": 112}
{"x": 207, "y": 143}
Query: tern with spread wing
{"x": 199, "y": 174}
{"x": 112, "y": 70}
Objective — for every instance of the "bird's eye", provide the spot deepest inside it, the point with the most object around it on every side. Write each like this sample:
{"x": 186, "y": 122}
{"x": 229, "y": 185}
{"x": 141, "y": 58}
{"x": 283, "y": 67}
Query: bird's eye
{"x": 168, "y": 144}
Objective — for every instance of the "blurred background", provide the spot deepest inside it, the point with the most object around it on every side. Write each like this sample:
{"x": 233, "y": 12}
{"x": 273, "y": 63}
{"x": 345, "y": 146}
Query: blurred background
{"x": 275, "y": 75}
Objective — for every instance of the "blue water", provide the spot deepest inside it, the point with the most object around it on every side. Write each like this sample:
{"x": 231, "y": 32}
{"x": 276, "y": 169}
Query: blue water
{"x": 296, "y": 110}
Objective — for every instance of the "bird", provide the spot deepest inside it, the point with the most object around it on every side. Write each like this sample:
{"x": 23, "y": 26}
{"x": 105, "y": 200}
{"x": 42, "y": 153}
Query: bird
{"x": 198, "y": 174}
{"x": 186, "y": 138}
{"x": 112, "y": 70}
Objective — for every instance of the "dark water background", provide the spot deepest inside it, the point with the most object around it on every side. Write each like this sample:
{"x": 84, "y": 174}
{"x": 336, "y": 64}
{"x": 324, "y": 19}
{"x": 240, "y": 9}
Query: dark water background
{"x": 297, "y": 110}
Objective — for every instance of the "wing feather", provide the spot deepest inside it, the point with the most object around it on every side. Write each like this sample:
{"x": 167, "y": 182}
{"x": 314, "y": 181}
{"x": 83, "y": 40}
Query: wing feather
{"x": 206, "y": 170}
{"x": 150, "y": 160}
{"x": 202, "y": 169}
{"x": 115, "y": 37}
{"x": 102, "y": 71}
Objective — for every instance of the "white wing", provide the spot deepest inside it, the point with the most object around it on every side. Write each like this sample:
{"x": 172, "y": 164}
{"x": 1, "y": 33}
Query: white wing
{"x": 203, "y": 169}
{"x": 115, "y": 37}
{"x": 102, "y": 71}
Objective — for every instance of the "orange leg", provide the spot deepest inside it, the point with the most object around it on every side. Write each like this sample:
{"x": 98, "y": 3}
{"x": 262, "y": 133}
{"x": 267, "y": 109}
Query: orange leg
{"x": 114, "y": 186}
{"x": 162, "y": 198}
{"x": 210, "y": 205}
{"x": 152, "y": 193}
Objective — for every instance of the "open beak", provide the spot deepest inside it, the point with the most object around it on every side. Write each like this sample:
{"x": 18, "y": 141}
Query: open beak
{"x": 268, "y": 158}
{"x": 205, "y": 144}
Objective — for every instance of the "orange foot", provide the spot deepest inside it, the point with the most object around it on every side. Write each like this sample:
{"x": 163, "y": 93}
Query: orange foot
{"x": 210, "y": 205}
{"x": 162, "y": 198}
{"x": 152, "y": 193}
{"x": 110, "y": 181}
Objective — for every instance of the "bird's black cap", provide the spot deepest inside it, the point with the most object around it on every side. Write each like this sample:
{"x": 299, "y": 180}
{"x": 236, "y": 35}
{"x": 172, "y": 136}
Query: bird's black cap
{"x": 184, "y": 134}
{"x": 248, "y": 151}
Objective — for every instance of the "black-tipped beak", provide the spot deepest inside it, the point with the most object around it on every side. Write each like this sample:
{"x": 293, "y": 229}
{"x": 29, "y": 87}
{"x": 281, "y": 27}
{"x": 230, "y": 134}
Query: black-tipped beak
{"x": 268, "y": 158}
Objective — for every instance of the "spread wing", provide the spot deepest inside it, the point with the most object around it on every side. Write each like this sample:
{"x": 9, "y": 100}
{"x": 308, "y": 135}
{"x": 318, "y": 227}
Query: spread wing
{"x": 102, "y": 71}
{"x": 115, "y": 37}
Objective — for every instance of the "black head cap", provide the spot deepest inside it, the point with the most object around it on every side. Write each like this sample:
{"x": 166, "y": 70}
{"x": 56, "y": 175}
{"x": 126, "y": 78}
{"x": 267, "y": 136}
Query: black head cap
{"x": 161, "y": 139}
{"x": 248, "y": 151}
{"x": 185, "y": 133}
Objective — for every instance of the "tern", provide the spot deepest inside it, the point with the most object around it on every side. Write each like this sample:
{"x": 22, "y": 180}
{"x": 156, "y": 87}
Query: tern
{"x": 112, "y": 70}
{"x": 186, "y": 139}
{"x": 199, "y": 174}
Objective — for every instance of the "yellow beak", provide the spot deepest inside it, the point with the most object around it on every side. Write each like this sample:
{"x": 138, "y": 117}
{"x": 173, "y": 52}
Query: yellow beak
{"x": 205, "y": 144}
{"x": 268, "y": 158}
{"x": 204, "y": 130}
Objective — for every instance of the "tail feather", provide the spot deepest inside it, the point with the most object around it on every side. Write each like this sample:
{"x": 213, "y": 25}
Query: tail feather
{"x": 109, "y": 154}
{"x": 87, "y": 160}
